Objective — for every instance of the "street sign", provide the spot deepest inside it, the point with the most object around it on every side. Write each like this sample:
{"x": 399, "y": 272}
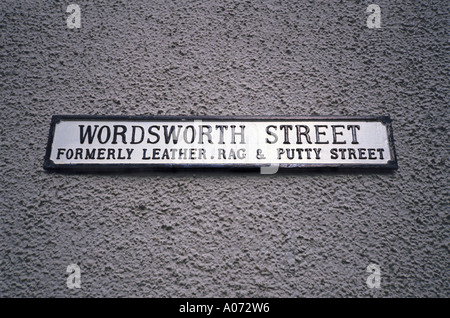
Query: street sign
{"x": 115, "y": 142}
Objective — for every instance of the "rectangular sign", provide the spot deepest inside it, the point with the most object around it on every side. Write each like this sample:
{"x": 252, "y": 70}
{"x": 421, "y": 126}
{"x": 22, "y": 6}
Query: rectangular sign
{"x": 111, "y": 142}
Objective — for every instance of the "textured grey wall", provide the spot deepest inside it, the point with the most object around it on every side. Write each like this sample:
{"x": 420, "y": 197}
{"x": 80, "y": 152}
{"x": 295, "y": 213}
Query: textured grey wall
{"x": 210, "y": 233}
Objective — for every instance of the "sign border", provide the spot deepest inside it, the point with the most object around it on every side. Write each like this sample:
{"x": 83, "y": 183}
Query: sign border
{"x": 50, "y": 165}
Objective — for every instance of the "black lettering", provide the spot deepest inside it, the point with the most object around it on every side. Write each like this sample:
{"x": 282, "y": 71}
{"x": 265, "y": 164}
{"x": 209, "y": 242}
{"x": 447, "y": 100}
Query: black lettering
{"x": 156, "y": 153}
{"x": 318, "y": 133}
{"x": 380, "y": 152}
{"x": 133, "y": 135}
{"x": 202, "y": 154}
{"x": 317, "y": 151}
{"x": 182, "y": 153}
{"x": 69, "y": 153}
{"x": 290, "y": 155}
{"x": 192, "y": 153}
{"x": 171, "y": 135}
{"x": 221, "y": 128}
{"x": 334, "y": 154}
{"x": 222, "y": 154}
{"x": 203, "y": 133}
{"x": 121, "y": 133}
{"x": 144, "y": 155}
{"x": 165, "y": 154}
{"x": 335, "y": 133}
{"x": 60, "y": 153}
{"x": 275, "y": 139}
{"x": 351, "y": 153}
{"x": 362, "y": 153}
{"x": 280, "y": 152}
{"x": 100, "y": 133}
{"x": 173, "y": 153}
{"x": 241, "y": 153}
{"x": 119, "y": 155}
{"x": 101, "y": 152}
{"x": 129, "y": 152}
{"x": 111, "y": 153}
{"x": 286, "y": 129}
{"x": 353, "y": 128}
{"x": 90, "y": 154}
{"x": 89, "y": 134}
{"x": 232, "y": 154}
{"x": 304, "y": 133}
{"x": 308, "y": 153}
{"x": 233, "y": 134}
{"x": 151, "y": 132}
{"x": 78, "y": 153}
{"x": 372, "y": 155}
{"x": 192, "y": 135}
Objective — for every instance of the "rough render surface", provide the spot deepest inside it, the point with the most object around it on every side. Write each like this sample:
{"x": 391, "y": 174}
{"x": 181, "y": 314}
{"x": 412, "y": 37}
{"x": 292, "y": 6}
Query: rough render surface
{"x": 221, "y": 233}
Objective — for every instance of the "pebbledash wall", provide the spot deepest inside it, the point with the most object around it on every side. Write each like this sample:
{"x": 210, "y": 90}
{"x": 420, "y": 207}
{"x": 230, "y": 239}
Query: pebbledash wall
{"x": 210, "y": 233}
